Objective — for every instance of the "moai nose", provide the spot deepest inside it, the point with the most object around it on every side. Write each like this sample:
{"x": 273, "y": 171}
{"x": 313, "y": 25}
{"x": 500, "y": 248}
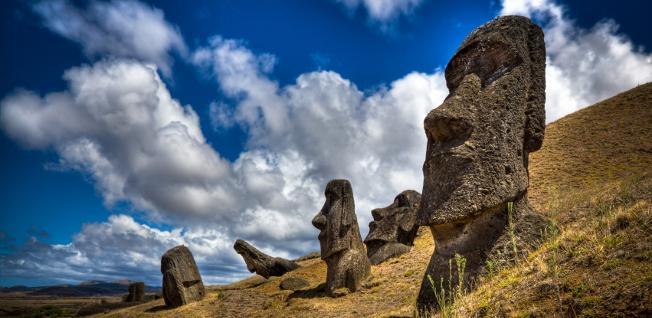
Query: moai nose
{"x": 319, "y": 221}
{"x": 378, "y": 214}
{"x": 442, "y": 126}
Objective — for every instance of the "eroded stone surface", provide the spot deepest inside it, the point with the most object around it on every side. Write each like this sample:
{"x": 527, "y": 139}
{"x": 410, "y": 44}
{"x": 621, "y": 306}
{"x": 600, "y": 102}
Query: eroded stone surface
{"x": 182, "y": 283}
{"x": 394, "y": 227}
{"x": 476, "y": 162}
{"x": 339, "y": 239}
{"x": 261, "y": 263}
{"x": 293, "y": 283}
{"x": 136, "y": 292}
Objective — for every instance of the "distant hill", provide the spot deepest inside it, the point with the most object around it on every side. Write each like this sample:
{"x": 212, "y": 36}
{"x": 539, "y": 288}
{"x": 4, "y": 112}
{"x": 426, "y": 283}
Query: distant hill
{"x": 84, "y": 289}
{"x": 593, "y": 177}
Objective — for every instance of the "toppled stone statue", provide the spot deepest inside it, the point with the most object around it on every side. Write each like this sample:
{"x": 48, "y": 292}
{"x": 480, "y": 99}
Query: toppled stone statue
{"x": 136, "y": 292}
{"x": 293, "y": 283}
{"x": 182, "y": 283}
{"x": 474, "y": 195}
{"x": 261, "y": 263}
{"x": 339, "y": 239}
{"x": 394, "y": 228}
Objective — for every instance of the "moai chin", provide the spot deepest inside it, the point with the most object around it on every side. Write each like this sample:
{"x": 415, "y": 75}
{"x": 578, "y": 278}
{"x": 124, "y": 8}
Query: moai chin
{"x": 339, "y": 239}
{"x": 474, "y": 196}
{"x": 394, "y": 228}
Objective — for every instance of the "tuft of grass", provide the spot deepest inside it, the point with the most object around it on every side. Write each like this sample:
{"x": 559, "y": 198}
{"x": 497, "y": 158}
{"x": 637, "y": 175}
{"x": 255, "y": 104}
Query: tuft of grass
{"x": 447, "y": 297}
{"x": 512, "y": 234}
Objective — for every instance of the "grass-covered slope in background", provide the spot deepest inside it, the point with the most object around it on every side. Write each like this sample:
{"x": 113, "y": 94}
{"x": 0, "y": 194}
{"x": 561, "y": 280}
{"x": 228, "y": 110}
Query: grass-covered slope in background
{"x": 593, "y": 177}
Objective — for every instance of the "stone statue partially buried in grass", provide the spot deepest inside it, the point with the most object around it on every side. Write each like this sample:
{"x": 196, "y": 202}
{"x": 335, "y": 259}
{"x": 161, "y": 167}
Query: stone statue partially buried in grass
{"x": 394, "y": 228}
{"x": 182, "y": 283}
{"x": 339, "y": 239}
{"x": 474, "y": 195}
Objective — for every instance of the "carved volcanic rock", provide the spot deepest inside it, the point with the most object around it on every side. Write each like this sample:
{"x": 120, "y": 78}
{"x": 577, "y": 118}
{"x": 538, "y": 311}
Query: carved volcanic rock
{"x": 182, "y": 283}
{"x": 477, "y": 155}
{"x": 339, "y": 239}
{"x": 261, "y": 263}
{"x": 136, "y": 292}
{"x": 394, "y": 228}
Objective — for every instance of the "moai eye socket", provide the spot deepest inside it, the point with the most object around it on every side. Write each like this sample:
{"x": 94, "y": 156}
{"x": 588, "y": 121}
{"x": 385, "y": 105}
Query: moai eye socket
{"x": 489, "y": 60}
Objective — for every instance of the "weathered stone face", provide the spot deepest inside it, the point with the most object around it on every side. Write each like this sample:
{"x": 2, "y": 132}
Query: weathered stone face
{"x": 339, "y": 238}
{"x": 477, "y": 154}
{"x": 480, "y": 137}
{"x": 182, "y": 283}
{"x": 261, "y": 263}
{"x": 394, "y": 227}
{"x": 136, "y": 292}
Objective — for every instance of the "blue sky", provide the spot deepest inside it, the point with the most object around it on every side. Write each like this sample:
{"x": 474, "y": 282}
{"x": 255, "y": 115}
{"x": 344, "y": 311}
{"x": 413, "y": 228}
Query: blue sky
{"x": 201, "y": 124}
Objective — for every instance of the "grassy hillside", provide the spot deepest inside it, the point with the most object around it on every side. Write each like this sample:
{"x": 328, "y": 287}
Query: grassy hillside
{"x": 593, "y": 177}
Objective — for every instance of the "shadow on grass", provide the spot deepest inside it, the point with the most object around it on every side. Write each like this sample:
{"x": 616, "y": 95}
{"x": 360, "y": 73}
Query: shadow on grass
{"x": 159, "y": 308}
{"x": 316, "y": 292}
{"x": 94, "y": 309}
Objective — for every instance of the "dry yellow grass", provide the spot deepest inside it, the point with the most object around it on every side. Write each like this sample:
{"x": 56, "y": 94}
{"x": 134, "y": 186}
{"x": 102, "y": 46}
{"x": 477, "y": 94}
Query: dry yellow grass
{"x": 593, "y": 177}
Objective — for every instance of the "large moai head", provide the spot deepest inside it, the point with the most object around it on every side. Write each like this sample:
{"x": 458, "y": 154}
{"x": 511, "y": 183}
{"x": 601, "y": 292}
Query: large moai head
{"x": 394, "y": 227}
{"x": 182, "y": 283}
{"x": 476, "y": 167}
{"x": 479, "y": 138}
{"x": 339, "y": 239}
{"x": 336, "y": 221}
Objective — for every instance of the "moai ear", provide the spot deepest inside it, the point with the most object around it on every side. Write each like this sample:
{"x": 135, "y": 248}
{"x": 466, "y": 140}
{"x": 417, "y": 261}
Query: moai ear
{"x": 346, "y": 217}
{"x": 535, "y": 112}
{"x": 346, "y": 203}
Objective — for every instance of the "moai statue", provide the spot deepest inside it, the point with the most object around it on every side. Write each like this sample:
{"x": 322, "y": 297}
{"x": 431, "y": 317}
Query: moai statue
{"x": 261, "y": 263}
{"x": 181, "y": 280}
{"x": 136, "y": 292}
{"x": 394, "y": 228}
{"x": 474, "y": 196}
{"x": 339, "y": 239}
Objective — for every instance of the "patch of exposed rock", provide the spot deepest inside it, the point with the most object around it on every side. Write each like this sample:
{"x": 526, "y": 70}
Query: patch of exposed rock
{"x": 293, "y": 283}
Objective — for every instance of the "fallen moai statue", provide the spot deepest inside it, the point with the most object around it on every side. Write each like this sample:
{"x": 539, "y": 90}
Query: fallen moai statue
{"x": 261, "y": 263}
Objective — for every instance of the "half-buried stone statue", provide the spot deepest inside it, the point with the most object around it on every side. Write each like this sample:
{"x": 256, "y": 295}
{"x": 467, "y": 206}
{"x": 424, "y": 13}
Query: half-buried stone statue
{"x": 261, "y": 263}
{"x": 339, "y": 239}
{"x": 474, "y": 195}
{"x": 181, "y": 281}
{"x": 394, "y": 228}
{"x": 136, "y": 292}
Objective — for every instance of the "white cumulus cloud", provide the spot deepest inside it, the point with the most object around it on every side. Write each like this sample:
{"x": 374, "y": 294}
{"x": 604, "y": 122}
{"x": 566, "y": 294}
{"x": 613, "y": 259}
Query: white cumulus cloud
{"x": 122, "y": 248}
{"x": 584, "y": 66}
{"x": 328, "y": 126}
{"x": 120, "y": 28}
{"x": 383, "y": 12}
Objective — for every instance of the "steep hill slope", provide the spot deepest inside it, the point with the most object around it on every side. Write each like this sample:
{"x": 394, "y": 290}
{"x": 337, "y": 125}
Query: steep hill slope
{"x": 593, "y": 177}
